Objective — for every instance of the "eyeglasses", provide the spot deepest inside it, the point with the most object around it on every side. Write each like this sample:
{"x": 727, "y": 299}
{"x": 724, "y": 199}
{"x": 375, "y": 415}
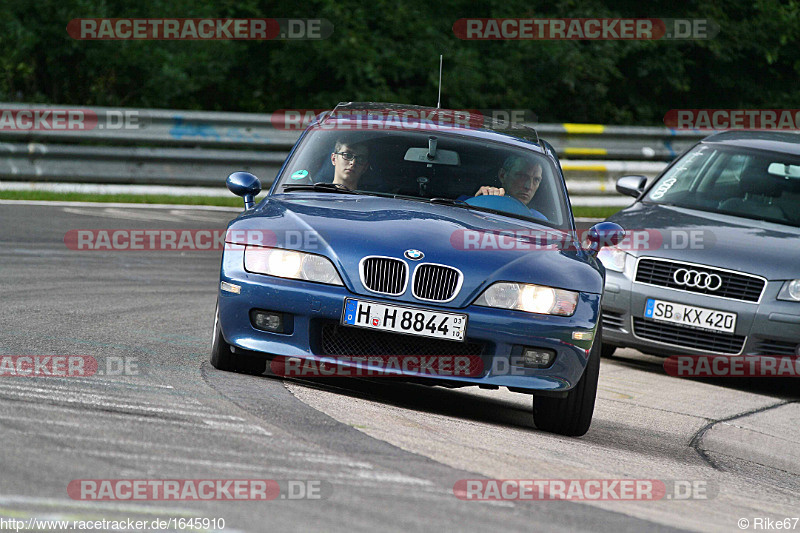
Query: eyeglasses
{"x": 349, "y": 156}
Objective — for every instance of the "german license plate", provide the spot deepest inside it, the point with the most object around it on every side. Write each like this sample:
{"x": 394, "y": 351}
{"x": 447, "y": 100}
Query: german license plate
{"x": 690, "y": 315}
{"x": 408, "y": 320}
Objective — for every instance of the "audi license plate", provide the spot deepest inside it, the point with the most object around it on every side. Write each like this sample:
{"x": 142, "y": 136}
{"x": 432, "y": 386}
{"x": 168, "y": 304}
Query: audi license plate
{"x": 409, "y": 320}
{"x": 690, "y": 315}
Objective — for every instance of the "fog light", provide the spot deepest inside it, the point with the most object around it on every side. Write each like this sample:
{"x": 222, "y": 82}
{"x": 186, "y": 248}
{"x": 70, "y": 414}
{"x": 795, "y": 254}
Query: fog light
{"x": 267, "y": 321}
{"x": 537, "y": 357}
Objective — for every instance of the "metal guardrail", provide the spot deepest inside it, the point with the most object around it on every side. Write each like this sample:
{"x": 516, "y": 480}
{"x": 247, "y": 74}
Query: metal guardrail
{"x": 153, "y": 146}
{"x": 638, "y": 143}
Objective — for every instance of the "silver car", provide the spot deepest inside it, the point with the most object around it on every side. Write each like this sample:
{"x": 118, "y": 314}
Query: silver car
{"x": 711, "y": 264}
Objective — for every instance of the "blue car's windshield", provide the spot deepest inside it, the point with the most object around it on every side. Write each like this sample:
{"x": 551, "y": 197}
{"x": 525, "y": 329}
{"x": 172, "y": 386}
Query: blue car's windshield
{"x": 733, "y": 181}
{"x": 424, "y": 165}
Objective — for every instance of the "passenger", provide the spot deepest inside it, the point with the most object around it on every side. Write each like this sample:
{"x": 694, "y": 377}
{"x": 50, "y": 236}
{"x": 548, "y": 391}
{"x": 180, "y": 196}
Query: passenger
{"x": 349, "y": 160}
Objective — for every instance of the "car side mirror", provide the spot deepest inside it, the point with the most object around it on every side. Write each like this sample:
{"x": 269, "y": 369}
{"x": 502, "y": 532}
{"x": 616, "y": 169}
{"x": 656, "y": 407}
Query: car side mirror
{"x": 603, "y": 234}
{"x": 245, "y": 185}
{"x": 631, "y": 185}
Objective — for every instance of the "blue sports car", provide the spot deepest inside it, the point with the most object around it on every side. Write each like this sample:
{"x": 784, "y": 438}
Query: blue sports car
{"x": 419, "y": 234}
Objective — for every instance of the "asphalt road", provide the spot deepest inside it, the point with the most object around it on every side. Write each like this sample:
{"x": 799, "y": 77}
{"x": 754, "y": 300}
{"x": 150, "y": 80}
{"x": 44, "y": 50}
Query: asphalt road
{"x": 384, "y": 455}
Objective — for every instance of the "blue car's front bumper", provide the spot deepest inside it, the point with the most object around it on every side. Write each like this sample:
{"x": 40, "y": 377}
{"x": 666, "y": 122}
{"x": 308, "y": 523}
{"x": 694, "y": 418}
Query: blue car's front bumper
{"x": 310, "y": 307}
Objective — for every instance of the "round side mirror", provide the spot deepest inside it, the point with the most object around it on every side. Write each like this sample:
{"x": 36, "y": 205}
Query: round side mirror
{"x": 245, "y": 185}
{"x": 603, "y": 234}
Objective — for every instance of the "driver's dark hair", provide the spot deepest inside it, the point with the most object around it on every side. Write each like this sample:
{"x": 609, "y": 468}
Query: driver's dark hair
{"x": 348, "y": 141}
{"x": 511, "y": 161}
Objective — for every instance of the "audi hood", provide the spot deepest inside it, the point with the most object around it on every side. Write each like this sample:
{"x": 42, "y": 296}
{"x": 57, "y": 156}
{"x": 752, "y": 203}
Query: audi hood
{"x": 734, "y": 243}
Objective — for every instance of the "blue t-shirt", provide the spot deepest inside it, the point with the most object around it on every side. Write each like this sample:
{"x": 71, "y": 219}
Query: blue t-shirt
{"x": 534, "y": 212}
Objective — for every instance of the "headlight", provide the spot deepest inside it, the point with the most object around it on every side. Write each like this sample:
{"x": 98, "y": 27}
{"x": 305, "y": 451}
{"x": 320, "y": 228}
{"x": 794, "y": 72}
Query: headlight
{"x": 290, "y": 264}
{"x": 790, "y": 291}
{"x": 529, "y": 298}
{"x": 612, "y": 258}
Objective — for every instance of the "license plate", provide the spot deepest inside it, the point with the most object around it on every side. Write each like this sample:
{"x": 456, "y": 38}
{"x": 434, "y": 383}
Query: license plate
{"x": 408, "y": 320}
{"x": 690, "y": 315}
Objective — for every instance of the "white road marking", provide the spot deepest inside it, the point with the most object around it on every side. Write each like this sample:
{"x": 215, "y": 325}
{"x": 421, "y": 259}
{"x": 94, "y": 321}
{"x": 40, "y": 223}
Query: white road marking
{"x": 330, "y": 460}
{"x": 63, "y": 503}
{"x": 295, "y": 473}
{"x": 184, "y": 215}
{"x": 118, "y": 213}
{"x": 135, "y": 408}
{"x": 239, "y": 428}
{"x": 148, "y": 444}
{"x": 42, "y": 421}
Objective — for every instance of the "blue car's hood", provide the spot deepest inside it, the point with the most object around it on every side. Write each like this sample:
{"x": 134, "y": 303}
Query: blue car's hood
{"x": 347, "y": 228}
{"x": 762, "y": 248}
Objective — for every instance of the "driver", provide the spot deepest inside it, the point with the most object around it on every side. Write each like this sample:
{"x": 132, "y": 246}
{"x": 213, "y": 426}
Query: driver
{"x": 520, "y": 178}
{"x": 349, "y": 160}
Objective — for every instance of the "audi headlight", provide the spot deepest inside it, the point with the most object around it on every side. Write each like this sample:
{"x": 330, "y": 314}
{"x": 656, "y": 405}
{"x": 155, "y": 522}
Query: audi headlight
{"x": 612, "y": 258}
{"x": 290, "y": 264}
{"x": 529, "y": 298}
{"x": 790, "y": 291}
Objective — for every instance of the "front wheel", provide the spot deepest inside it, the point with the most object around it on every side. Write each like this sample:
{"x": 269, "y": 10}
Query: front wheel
{"x": 223, "y": 358}
{"x": 571, "y": 415}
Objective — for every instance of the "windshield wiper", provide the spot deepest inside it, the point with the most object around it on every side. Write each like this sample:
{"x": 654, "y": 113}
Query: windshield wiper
{"x": 321, "y": 187}
{"x": 465, "y": 205}
{"x": 449, "y": 201}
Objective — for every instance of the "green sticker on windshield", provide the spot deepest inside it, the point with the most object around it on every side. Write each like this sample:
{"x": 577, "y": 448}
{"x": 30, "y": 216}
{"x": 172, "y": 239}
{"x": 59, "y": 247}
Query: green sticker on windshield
{"x": 300, "y": 174}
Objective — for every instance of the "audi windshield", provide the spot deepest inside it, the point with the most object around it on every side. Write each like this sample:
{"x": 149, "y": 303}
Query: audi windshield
{"x": 733, "y": 181}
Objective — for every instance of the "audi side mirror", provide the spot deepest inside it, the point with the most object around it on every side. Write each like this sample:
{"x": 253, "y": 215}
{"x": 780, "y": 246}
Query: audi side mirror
{"x": 631, "y": 185}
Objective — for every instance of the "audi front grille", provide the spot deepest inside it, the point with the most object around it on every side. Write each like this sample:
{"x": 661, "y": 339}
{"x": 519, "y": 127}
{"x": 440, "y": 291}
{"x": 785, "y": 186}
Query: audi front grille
{"x": 700, "y": 279}
{"x": 695, "y": 339}
{"x": 384, "y": 275}
{"x": 436, "y": 283}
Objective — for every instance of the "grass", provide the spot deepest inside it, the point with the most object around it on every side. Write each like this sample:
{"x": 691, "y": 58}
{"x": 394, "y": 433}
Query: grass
{"x": 594, "y": 212}
{"x": 231, "y": 201}
{"x": 227, "y": 201}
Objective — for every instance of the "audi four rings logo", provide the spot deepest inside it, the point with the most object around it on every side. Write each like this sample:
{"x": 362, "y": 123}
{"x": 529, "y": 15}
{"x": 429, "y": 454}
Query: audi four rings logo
{"x": 697, "y": 280}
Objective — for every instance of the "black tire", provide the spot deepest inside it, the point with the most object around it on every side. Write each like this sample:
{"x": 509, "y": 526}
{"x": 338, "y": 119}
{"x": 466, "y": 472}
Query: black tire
{"x": 607, "y": 351}
{"x": 571, "y": 415}
{"x": 222, "y": 358}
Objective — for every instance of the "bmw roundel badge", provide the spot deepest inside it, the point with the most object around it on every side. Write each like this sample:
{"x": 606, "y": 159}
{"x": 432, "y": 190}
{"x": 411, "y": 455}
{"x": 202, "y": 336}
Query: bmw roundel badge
{"x": 414, "y": 255}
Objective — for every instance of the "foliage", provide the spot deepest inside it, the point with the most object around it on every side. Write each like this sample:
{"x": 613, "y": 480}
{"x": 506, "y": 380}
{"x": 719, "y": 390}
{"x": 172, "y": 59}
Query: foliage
{"x": 388, "y": 51}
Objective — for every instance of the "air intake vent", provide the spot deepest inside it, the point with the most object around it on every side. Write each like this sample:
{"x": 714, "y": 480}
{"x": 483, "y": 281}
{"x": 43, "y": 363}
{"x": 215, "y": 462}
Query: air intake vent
{"x": 436, "y": 283}
{"x": 690, "y": 338}
{"x": 384, "y": 275}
